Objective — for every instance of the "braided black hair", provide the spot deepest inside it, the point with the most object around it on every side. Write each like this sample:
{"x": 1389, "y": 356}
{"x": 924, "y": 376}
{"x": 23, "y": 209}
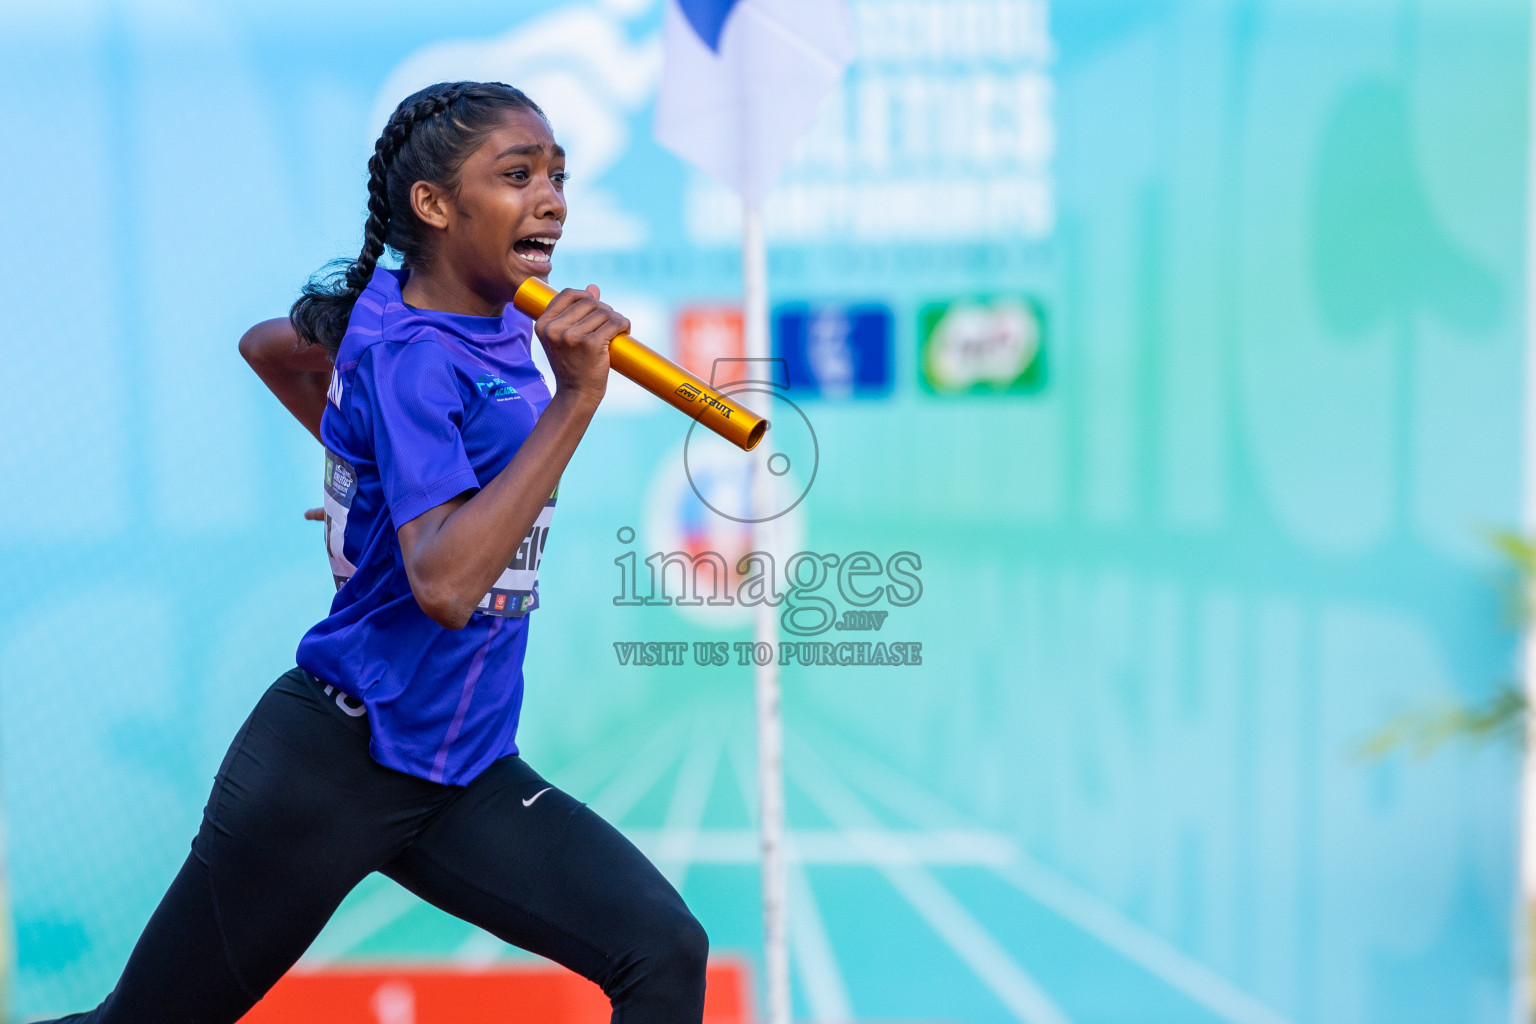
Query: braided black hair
{"x": 418, "y": 143}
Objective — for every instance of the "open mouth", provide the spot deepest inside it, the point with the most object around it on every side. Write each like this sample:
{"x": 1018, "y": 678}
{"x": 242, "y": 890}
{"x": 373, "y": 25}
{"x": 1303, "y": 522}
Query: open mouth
{"x": 537, "y": 249}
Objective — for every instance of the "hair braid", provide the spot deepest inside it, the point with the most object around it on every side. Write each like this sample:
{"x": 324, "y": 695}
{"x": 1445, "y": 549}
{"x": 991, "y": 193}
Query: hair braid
{"x": 393, "y": 139}
{"x": 321, "y": 313}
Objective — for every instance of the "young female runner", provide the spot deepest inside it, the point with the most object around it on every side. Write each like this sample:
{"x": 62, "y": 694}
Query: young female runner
{"x": 392, "y": 748}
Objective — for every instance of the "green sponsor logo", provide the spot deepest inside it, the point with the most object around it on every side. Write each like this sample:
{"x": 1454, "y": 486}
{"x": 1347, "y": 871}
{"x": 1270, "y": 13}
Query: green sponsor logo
{"x": 982, "y": 346}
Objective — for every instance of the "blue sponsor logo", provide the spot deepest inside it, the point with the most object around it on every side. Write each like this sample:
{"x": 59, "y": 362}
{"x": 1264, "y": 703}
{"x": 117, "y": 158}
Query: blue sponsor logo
{"x": 836, "y": 351}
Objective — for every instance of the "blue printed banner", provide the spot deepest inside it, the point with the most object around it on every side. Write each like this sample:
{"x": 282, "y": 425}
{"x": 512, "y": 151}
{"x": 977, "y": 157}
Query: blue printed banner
{"x": 836, "y": 351}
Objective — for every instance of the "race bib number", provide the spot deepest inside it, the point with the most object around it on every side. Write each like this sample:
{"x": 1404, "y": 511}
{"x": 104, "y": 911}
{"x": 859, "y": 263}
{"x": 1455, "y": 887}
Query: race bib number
{"x": 516, "y": 592}
{"x": 340, "y": 489}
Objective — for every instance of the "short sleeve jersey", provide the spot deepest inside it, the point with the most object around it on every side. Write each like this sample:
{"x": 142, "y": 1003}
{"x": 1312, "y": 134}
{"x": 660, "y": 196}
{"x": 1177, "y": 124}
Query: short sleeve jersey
{"x": 424, "y": 406}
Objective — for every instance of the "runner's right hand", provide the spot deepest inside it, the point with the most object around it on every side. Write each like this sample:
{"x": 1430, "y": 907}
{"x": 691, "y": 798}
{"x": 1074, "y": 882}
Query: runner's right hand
{"x": 576, "y": 330}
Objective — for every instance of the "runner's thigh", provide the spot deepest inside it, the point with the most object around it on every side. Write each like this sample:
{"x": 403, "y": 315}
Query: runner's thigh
{"x": 540, "y": 870}
{"x": 299, "y": 814}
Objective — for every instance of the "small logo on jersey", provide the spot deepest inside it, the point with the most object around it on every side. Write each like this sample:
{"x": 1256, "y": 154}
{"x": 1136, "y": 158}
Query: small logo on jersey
{"x": 688, "y": 391}
{"x": 491, "y": 386}
{"x": 530, "y": 800}
{"x": 501, "y": 602}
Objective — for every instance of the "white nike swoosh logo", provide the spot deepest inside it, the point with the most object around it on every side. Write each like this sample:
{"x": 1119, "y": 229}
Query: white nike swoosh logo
{"x": 530, "y": 800}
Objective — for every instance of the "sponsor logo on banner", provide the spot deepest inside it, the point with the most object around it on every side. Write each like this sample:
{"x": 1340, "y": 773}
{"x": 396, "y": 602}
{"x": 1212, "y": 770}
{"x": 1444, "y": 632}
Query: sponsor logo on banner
{"x": 982, "y": 346}
{"x": 705, "y": 334}
{"x": 836, "y": 351}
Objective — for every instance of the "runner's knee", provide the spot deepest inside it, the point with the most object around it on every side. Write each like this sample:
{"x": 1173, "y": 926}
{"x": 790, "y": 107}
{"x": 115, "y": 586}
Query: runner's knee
{"x": 680, "y": 945}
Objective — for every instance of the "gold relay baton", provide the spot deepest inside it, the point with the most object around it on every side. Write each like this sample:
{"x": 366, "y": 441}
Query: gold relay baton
{"x": 662, "y": 377}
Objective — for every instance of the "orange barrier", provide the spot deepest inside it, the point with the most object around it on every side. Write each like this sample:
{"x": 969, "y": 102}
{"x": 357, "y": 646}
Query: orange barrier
{"x": 430, "y": 995}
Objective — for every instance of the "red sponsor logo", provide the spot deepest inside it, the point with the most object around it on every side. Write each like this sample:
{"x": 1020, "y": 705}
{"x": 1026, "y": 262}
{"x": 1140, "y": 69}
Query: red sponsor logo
{"x": 500, "y": 604}
{"x": 707, "y": 333}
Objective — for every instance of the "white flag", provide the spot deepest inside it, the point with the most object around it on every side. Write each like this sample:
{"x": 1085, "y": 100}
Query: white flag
{"x": 742, "y": 80}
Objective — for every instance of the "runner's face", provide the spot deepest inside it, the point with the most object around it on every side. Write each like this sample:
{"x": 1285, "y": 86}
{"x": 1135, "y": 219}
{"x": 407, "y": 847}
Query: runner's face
{"x": 509, "y": 209}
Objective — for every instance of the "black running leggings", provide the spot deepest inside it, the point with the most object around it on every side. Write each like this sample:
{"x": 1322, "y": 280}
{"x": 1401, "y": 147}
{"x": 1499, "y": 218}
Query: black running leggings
{"x": 300, "y": 813}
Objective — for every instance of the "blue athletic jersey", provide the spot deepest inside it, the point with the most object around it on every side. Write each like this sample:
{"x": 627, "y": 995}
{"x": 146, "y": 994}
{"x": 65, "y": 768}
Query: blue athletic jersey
{"x": 424, "y": 406}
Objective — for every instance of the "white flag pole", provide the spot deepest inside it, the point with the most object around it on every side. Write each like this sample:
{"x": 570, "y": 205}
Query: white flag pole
{"x": 770, "y": 727}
